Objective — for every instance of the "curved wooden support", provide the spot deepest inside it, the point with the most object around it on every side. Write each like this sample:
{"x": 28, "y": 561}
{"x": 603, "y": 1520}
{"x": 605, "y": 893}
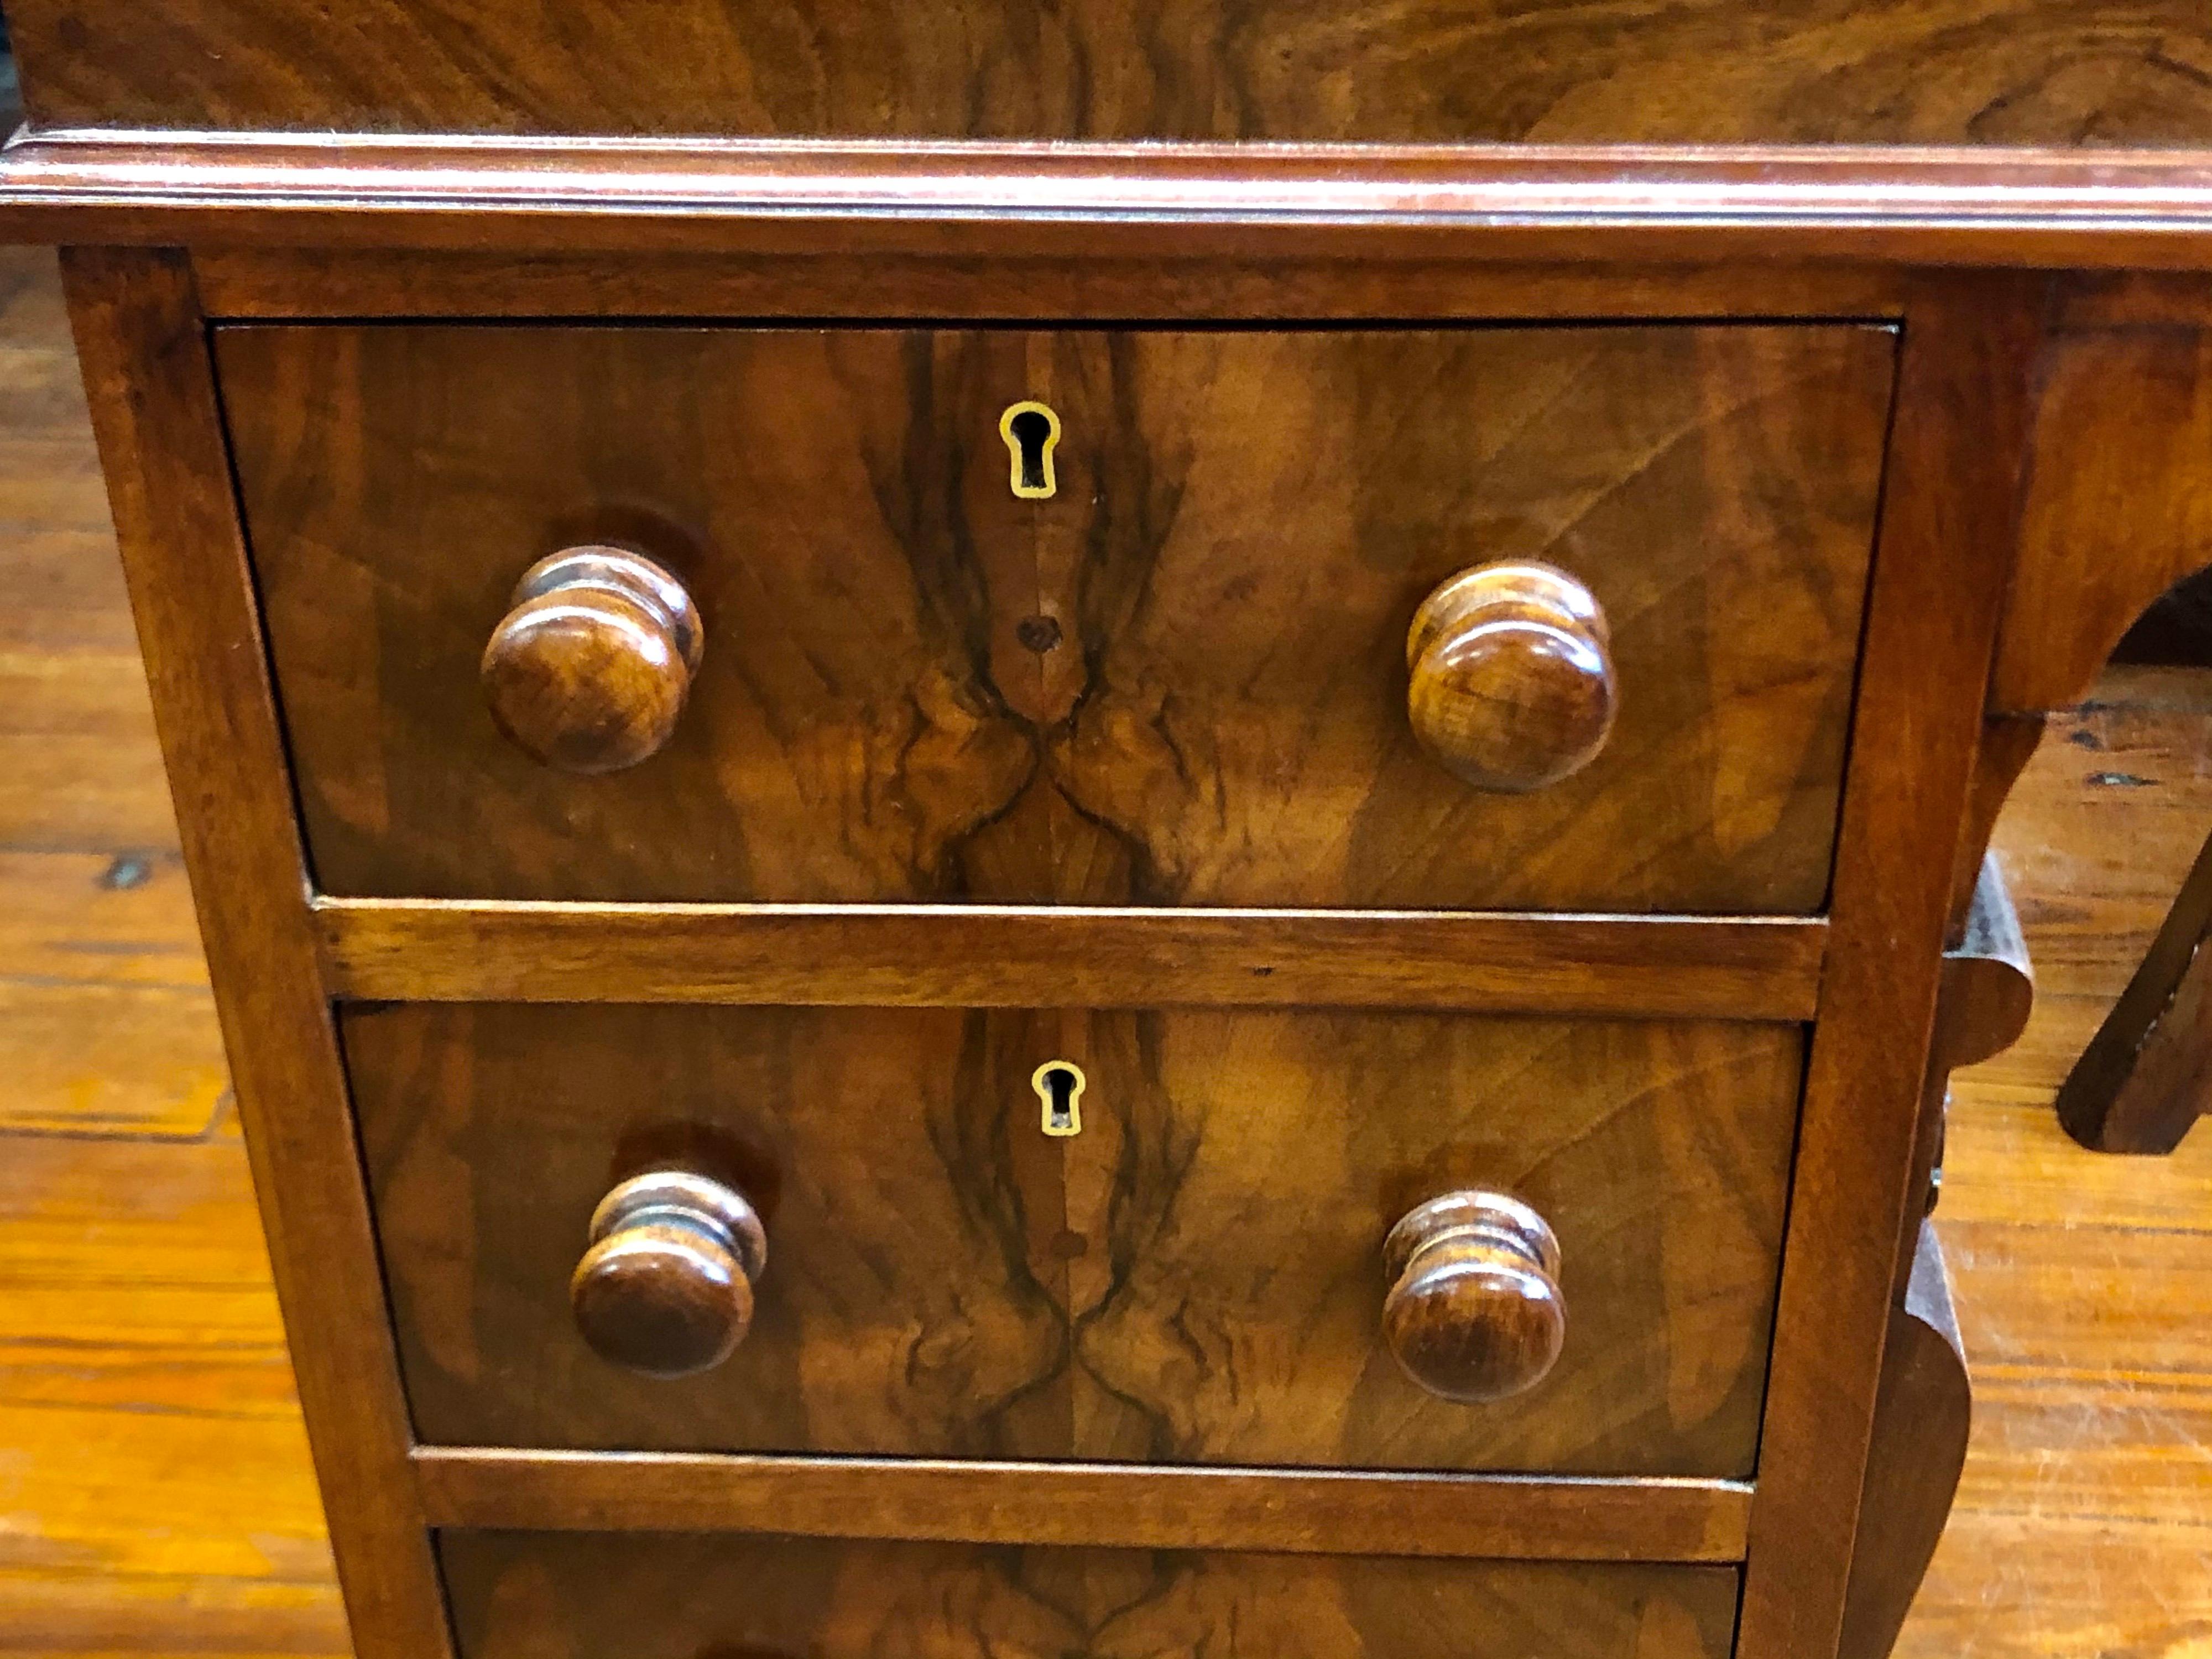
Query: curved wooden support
{"x": 1982, "y": 1005}
{"x": 2116, "y": 511}
{"x": 1922, "y": 1415}
{"x": 2009, "y": 741}
{"x": 1987, "y": 987}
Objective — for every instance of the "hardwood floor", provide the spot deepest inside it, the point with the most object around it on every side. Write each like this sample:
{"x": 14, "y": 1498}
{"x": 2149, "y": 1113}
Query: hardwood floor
{"x": 155, "y": 1492}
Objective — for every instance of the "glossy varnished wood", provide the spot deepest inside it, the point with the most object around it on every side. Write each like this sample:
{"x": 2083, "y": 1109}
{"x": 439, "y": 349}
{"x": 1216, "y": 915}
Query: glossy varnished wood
{"x": 665, "y": 1287}
{"x": 1511, "y": 684}
{"x": 1922, "y": 1418}
{"x": 2115, "y": 512}
{"x": 1946, "y": 545}
{"x": 1180, "y": 681}
{"x": 1987, "y": 71}
{"x": 589, "y": 670}
{"x": 984, "y": 1501}
{"x": 1197, "y": 1277}
{"x": 1473, "y": 1312}
{"x": 154, "y": 407}
{"x": 996, "y": 955}
{"x": 521, "y": 1596}
{"x": 157, "y": 1477}
{"x": 1650, "y": 214}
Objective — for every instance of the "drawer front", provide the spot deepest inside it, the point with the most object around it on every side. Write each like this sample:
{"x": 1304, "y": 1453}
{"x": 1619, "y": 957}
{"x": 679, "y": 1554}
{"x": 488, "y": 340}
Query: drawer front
{"x": 1180, "y": 679}
{"x": 534, "y": 1596}
{"x": 1195, "y": 1274}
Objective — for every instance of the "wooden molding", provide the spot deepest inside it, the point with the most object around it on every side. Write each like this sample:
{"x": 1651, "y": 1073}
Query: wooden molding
{"x": 1660, "y": 967}
{"x": 1294, "y": 1510}
{"x": 1611, "y": 205}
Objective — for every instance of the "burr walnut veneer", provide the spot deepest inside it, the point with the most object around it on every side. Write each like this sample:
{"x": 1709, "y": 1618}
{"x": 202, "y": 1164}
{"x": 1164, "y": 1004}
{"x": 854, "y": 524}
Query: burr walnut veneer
{"x": 1043, "y": 833}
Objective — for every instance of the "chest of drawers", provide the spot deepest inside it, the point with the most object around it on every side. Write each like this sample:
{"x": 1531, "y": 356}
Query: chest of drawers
{"x": 1121, "y": 830}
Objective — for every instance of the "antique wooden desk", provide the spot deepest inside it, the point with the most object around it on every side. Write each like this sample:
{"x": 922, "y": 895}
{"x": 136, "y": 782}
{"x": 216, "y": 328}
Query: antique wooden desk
{"x": 1122, "y": 830}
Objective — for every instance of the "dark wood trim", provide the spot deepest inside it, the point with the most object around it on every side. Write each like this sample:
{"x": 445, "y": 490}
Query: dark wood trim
{"x": 1297, "y": 1510}
{"x": 304, "y": 284}
{"x": 2139, "y": 1086}
{"x": 440, "y": 950}
{"x": 1921, "y": 1423}
{"x": 1617, "y": 204}
{"x": 1943, "y": 554}
{"x": 147, "y": 370}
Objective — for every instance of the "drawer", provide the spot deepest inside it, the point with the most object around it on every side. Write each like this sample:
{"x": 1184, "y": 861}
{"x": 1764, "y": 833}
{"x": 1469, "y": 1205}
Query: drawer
{"x": 1179, "y": 677}
{"x": 535, "y": 1595}
{"x": 1139, "y": 1237}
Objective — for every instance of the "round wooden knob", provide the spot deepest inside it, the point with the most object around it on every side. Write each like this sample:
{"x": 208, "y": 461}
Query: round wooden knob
{"x": 589, "y": 669}
{"x": 1475, "y": 1312}
{"x": 1512, "y": 684}
{"x": 666, "y": 1287}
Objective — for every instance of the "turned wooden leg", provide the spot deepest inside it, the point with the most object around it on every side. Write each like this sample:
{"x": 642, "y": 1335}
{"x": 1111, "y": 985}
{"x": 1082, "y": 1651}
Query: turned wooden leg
{"x": 1921, "y": 1418}
{"x": 2147, "y": 1075}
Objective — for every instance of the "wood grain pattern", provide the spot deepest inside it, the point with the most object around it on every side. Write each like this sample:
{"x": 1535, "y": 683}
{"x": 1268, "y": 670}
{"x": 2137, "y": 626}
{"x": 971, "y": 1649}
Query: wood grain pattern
{"x": 1197, "y": 1277}
{"x": 672, "y": 1597}
{"x": 1921, "y": 1420}
{"x": 1949, "y": 510}
{"x": 272, "y": 283}
{"x": 995, "y": 955}
{"x": 590, "y": 669}
{"x": 1112, "y": 1505}
{"x": 2114, "y": 514}
{"x": 1198, "y": 717}
{"x": 1510, "y": 684}
{"x": 151, "y": 388}
{"x": 1938, "y": 71}
{"x": 1149, "y": 218}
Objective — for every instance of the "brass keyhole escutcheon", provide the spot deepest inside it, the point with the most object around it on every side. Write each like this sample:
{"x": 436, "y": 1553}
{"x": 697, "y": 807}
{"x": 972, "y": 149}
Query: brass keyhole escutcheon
{"x": 1060, "y": 1084}
{"x": 1033, "y": 433}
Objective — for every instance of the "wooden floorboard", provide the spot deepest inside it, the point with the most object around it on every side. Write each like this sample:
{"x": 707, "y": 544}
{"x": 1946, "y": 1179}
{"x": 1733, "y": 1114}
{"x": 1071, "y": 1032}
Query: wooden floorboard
{"x": 154, "y": 1493}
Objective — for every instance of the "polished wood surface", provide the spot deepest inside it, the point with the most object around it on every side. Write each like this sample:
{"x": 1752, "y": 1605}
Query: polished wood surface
{"x": 589, "y": 670}
{"x": 934, "y": 690}
{"x": 1923, "y": 1418}
{"x": 156, "y": 1480}
{"x": 665, "y": 1287}
{"x": 1949, "y": 509}
{"x": 1670, "y": 967}
{"x": 2114, "y": 514}
{"x": 149, "y": 382}
{"x": 1067, "y": 285}
{"x": 1474, "y": 1313}
{"x": 672, "y": 1597}
{"x": 1940, "y": 71}
{"x": 1109, "y": 1505}
{"x": 1783, "y": 224}
{"x": 1511, "y": 682}
{"x": 1196, "y": 1276}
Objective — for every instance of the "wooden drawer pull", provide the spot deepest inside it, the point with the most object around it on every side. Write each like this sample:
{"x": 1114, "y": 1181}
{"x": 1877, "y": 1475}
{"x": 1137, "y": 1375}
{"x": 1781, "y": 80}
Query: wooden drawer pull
{"x": 666, "y": 1286}
{"x": 1512, "y": 685}
{"x": 589, "y": 669}
{"x": 1475, "y": 1312}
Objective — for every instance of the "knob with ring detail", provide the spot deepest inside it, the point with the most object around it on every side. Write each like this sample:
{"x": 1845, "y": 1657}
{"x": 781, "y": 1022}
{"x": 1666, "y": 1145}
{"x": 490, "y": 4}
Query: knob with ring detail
{"x": 1474, "y": 1313}
{"x": 590, "y": 669}
{"x": 665, "y": 1286}
{"x": 1512, "y": 684}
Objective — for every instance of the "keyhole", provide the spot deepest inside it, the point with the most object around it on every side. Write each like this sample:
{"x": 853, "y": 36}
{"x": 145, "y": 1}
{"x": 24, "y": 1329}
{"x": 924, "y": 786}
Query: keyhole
{"x": 1059, "y": 1084}
{"x": 1033, "y": 433}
